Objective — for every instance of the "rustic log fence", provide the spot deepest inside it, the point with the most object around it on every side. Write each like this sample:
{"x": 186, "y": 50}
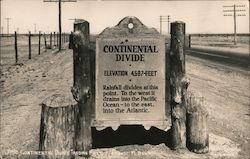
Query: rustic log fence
{"x": 186, "y": 121}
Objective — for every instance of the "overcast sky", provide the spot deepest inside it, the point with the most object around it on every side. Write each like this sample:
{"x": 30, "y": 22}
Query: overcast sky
{"x": 199, "y": 16}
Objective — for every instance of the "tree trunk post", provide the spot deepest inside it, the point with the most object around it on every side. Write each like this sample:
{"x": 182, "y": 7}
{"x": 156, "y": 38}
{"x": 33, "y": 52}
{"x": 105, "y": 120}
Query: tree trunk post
{"x": 29, "y": 45}
{"x": 178, "y": 85}
{"x": 16, "y": 51}
{"x": 197, "y": 129}
{"x": 81, "y": 89}
{"x": 57, "y": 129}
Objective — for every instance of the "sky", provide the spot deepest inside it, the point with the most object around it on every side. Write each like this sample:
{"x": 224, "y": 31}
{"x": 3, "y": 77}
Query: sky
{"x": 199, "y": 16}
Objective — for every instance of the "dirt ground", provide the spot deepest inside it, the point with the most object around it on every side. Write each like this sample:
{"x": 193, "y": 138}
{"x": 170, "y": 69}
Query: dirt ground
{"x": 225, "y": 90}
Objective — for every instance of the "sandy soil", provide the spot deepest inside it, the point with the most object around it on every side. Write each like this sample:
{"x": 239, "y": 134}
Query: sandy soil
{"x": 225, "y": 89}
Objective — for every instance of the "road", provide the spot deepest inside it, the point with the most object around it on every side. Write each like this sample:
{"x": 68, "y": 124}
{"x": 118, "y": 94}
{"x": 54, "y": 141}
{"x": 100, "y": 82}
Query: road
{"x": 233, "y": 59}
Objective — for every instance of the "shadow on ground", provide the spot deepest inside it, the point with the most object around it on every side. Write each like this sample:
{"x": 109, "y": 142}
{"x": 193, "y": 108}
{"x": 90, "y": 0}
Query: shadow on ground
{"x": 129, "y": 135}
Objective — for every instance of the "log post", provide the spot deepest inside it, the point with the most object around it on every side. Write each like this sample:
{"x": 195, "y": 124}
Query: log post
{"x": 197, "y": 129}
{"x": 178, "y": 85}
{"x": 81, "y": 89}
{"x": 57, "y": 127}
{"x": 16, "y": 51}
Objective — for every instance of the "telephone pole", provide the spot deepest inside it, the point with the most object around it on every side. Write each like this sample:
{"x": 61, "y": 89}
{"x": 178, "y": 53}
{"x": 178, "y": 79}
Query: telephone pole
{"x": 60, "y": 17}
{"x": 8, "y": 25}
{"x": 164, "y": 19}
{"x": 234, "y": 11}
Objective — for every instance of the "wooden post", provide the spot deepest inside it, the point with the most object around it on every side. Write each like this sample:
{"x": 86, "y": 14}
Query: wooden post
{"x": 16, "y": 51}
{"x": 197, "y": 129}
{"x": 57, "y": 129}
{"x": 178, "y": 85}
{"x": 63, "y": 37}
{"x": 45, "y": 42}
{"x": 60, "y": 24}
{"x": 57, "y": 39}
{"x": 29, "y": 45}
{"x": 39, "y": 43}
{"x": 54, "y": 38}
{"x": 189, "y": 41}
{"x": 82, "y": 88}
{"x": 71, "y": 40}
{"x": 50, "y": 40}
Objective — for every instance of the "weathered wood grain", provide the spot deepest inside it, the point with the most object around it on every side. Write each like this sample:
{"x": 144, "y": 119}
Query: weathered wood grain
{"x": 178, "y": 85}
{"x": 197, "y": 129}
{"x": 82, "y": 87}
{"x": 57, "y": 129}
